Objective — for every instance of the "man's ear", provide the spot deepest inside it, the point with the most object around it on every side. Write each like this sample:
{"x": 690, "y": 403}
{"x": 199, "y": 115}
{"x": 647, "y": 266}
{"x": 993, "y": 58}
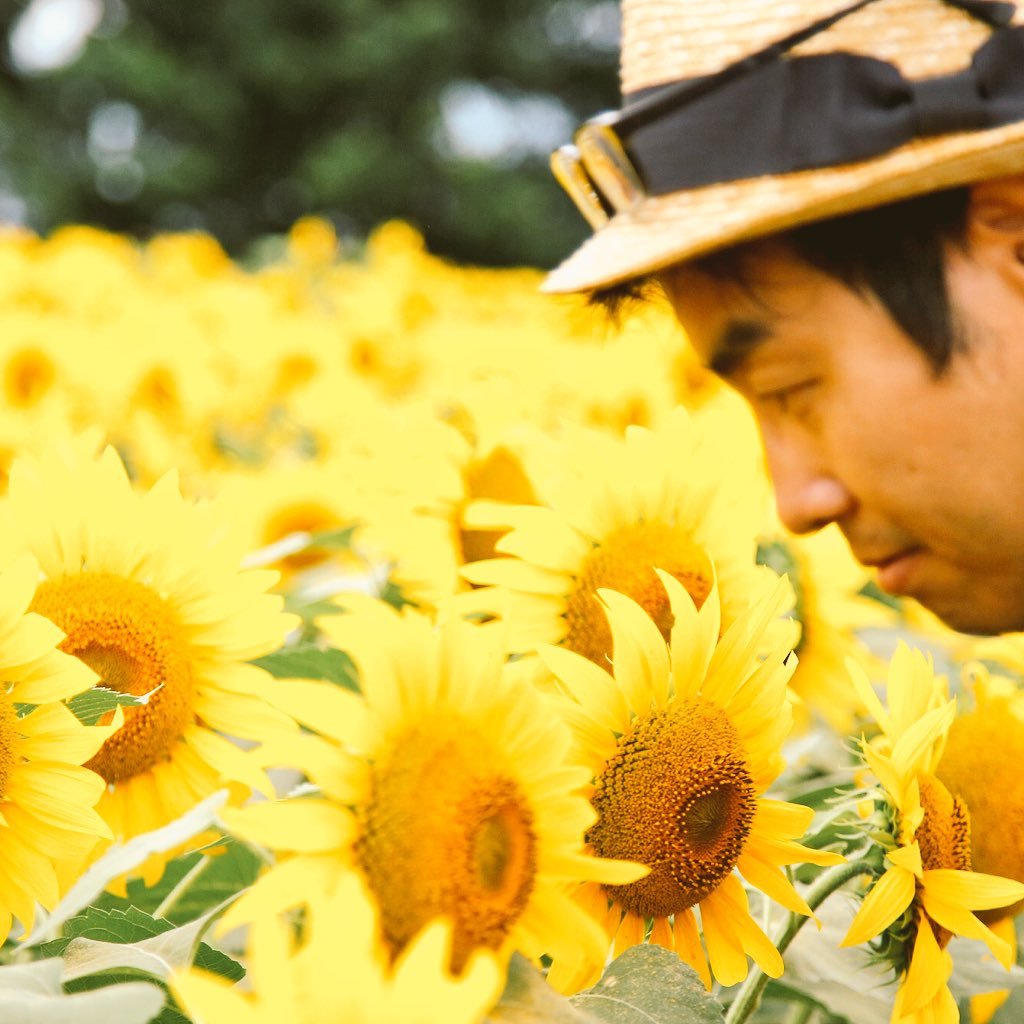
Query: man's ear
{"x": 995, "y": 225}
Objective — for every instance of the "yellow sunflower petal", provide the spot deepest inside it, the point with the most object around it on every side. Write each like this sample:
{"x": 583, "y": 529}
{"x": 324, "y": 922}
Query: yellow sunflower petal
{"x": 888, "y": 898}
{"x": 631, "y": 932}
{"x": 735, "y": 656}
{"x": 208, "y": 997}
{"x": 724, "y": 945}
{"x": 689, "y": 946}
{"x": 930, "y": 968}
{"x": 693, "y": 636}
{"x": 772, "y": 881}
{"x": 323, "y": 707}
{"x": 754, "y": 941}
{"x": 641, "y": 657}
{"x": 908, "y": 857}
{"x": 960, "y": 921}
{"x": 661, "y": 933}
{"x": 517, "y": 575}
{"x": 972, "y": 889}
{"x": 304, "y": 825}
{"x": 591, "y": 686}
{"x": 426, "y": 958}
{"x": 914, "y": 751}
{"x": 867, "y": 694}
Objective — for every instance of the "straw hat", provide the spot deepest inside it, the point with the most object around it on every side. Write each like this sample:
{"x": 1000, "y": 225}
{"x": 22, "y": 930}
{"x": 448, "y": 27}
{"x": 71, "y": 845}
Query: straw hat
{"x": 771, "y": 156}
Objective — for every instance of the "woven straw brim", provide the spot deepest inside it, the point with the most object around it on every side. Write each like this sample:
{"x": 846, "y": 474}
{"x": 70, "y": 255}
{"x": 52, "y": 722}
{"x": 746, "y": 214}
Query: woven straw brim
{"x": 664, "y": 230}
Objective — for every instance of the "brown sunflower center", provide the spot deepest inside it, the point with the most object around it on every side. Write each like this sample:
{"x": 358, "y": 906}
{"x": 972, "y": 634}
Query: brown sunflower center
{"x": 625, "y": 562}
{"x": 8, "y": 740}
{"x": 128, "y": 635}
{"x": 944, "y": 835}
{"x": 28, "y": 377}
{"x": 445, "y": 833}
{"x": 677, "y": 796}
{"x": 945, "y": 831}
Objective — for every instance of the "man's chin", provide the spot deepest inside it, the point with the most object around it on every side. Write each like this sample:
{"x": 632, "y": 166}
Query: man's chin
{"x": 977, "y": 618}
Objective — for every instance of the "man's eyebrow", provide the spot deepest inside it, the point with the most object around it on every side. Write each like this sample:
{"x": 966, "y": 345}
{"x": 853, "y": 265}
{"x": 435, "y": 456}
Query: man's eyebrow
{"x": 739, "y": 338}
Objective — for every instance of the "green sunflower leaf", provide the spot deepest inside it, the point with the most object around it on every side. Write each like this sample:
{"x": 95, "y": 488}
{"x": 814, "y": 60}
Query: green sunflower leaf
{"x": 649, "y": 985}
{"x": 333, "y": 540}
{"x": 91, "y": 706}
{"x": 113, "y": 942}
{"x": 646, "y": 985}
{"x": 311, "y": 661}
{"x": 310, "y": 608}
{"x": 222, "y": 876}
{"x": 33, "y": 991}
{"x": 529, "y": 999}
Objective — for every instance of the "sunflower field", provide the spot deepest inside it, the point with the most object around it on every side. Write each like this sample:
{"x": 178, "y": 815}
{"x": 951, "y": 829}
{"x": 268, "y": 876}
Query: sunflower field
{"x": 384, "y": 642}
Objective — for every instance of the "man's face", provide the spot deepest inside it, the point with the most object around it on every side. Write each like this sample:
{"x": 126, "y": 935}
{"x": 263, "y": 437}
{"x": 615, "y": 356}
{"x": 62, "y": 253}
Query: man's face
{"x": 924, "y": 472}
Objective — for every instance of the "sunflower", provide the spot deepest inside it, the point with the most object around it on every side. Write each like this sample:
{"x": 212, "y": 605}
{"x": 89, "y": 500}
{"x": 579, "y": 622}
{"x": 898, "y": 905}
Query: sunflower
{"x": 654, "y": 498}
{"x": 466, "y": 802}
{"x": 682, "y": 743}
{"x": 981, "y": 766}
{"x": 147, "y": 589}
{"x": 341, "y": 972}
{"x": 827, "y": 581}
{"x": 390, "y": 532}
{"x": 47, "y": 799}
{"x": 928, "y": 891}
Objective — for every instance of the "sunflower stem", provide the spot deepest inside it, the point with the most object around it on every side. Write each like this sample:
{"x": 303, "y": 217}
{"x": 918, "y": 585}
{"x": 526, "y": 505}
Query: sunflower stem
{"x": 801, "y": 1013}
{"x": 749, "y": 996}
{"x": 170, "y": 901}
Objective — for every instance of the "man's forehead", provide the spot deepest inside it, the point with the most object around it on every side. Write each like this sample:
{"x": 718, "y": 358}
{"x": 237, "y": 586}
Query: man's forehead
{"x": 730, "y": 315}
{"x": 723, "y": 322}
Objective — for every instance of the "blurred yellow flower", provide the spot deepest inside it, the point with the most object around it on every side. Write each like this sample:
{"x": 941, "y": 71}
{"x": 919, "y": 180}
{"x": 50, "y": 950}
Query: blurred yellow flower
{"x": 47, "y": 800}
{"x": 928, "y": 891}
{"x": 981, "y": 766}
{"x": 148, "y": 591}
{"x": 341, "y": 971}
{"x": 466, "y": 802}
{"x": 656, "y": 498}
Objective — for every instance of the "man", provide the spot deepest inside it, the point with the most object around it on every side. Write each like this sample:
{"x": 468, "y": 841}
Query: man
{"x": 832, "y": 196}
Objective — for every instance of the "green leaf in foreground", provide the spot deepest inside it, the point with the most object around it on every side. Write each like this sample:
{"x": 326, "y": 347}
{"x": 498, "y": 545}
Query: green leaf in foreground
{"x": 131, "y": 927}
{"x": 333, "y": 540}
{"x": 311, "y": 661}
{"x": 529, "y": 999}
{"x": 649, "y": 985}
{"x": 223, "y": 875}
{"x": 91, "y": 706}
{"x": 646, "y": 985}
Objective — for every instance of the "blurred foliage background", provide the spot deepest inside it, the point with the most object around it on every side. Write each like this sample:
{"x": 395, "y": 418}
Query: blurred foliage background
{"x": 237, "y": 117}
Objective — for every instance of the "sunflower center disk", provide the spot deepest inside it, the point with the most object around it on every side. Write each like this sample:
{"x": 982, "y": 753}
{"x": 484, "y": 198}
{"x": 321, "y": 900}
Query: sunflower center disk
{"x": 944, "y": 835}
{"x": 625, "y": 562}
{"x": 677, "y": 796}
{"x": 446, "y": 834}
{"x": 127, "y": 634}
{"x": 8, "y": 739}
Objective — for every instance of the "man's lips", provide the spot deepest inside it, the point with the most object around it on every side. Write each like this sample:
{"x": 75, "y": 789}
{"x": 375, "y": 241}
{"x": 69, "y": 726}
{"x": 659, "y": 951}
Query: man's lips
{"x": 894, "y": 571}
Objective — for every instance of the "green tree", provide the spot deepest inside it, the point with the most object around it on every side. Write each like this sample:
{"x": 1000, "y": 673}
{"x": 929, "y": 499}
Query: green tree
{"x": 238, "y": 116}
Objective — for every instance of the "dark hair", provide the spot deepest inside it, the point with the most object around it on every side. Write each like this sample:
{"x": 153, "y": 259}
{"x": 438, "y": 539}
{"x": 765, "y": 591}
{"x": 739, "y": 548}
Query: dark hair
{"x": 618, "y": 299}
{"x": 895, "y": 252}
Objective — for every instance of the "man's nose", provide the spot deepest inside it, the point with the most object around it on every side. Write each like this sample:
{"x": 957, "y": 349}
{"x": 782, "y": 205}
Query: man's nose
{"x": 808, "y": 495}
